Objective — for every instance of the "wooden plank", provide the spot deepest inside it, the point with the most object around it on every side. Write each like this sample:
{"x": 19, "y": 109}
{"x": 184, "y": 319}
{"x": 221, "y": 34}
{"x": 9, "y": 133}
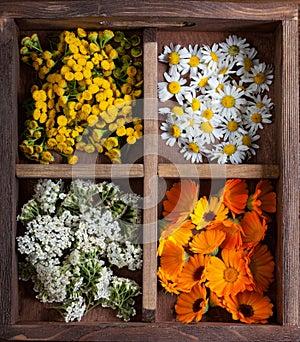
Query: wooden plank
{"x": 79, "y": 170}
{"x": 288, "y": 142}
{"x": 212, "y": 171}
{"x": 9, "y": 71}
{"x": 148, "y": 10}
{"x": 150, "y": 180}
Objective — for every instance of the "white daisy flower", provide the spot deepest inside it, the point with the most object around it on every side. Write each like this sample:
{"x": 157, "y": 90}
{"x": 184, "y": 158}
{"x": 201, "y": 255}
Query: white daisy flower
{"x": 173, "y": 131}
{"x": 209, "y": 113}
{"x": 248, "y": 139}
{"x": 176, "y": 110}
{"x": 193, "y": 150}
{"x": 174, "y": 56}
{"x": 193, "y": 64}
{"x": 233, "y": 47}
{"x": 260, "y": 103}
{"x": 254, "y": 119}
{"x": 209, "y": 132}
{"x": 216, "y": 84}
{"x": 260, "y": 77}
{"x": 224, "y": 69}
{"x": 174, "y": 87}
{"x": 228, "y": 152}
{"x": 211, "y": 55}
{"x": 231, "y": 127}
{"x": 196, "y": 103}
{"x": 200, "y": 81}
{"x": 230, "y": 101}
{"x": 246, "y": 62}
{"x": 191, "y": 121}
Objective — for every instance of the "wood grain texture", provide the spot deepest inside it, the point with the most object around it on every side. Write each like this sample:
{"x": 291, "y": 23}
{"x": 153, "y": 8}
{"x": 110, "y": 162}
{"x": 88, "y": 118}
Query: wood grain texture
{"x": 9, "y": 61}
{"x": 80, "y": 170}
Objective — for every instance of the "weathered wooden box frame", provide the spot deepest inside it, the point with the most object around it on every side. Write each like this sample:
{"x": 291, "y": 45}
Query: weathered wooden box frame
{"x": 280, "y": 19}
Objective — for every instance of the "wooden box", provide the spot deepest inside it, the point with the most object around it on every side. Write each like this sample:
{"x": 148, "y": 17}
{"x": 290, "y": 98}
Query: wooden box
{"x": 274, "y": 28}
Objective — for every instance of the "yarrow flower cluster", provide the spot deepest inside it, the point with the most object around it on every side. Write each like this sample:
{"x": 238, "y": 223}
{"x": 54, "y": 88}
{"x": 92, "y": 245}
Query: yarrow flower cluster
{"x": 222, "y": 98}
{"x": 212, "y": 250}
{"x": 75, "y": 236}
{"x": 85, "y": 97}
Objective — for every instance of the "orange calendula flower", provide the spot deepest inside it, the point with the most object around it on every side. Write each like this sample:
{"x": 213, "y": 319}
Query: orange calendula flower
{"x": 208, "y": 212}
{"x": 263, "y": 200}
{"x": 229, "y": 275}
{"x": 235, "y": 195}
{"x": 191, "y": 306}
{"x": 172, "y": 259}
{"x": 253, "y": 228}
{"x": 181, "y": 200}
{"x": 234, "y": 232}
{"x": 169, "y": 284}
{"x": 178, "y": 232}
{"x": 249, "y": 307}
{"x": 193, "y": 272}
{"x": 208, "y": 241}
{"x": 261, "y": 266}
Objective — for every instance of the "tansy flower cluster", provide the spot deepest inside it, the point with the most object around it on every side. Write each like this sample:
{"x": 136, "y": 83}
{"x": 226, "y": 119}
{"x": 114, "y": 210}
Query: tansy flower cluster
{"x": 212, "y": 250}
{"x": 88, "y": 83}
{"x": 76, "y": 237}
{"x": 222, "y": 101}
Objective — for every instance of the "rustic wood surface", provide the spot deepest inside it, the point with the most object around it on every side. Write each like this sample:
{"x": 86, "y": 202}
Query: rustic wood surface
{"x": 130, "y": 14}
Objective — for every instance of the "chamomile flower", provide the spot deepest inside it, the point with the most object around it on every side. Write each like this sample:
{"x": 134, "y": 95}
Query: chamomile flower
{"x": 231, "y": 127}
{"x": 191, "y": 121}
{"x": 209, "y": 132}
{"x": 260, "y": 77}
{"x": 175, "y": 56}
{"x": 260, "y": 103}
{"x": 174, "y": 87}
{"x": 216, "y": 85}
{"x": 248, "y": 139}
{"x": 233, "y": 47}
{"x": 230, "y": 101}
{"x": 173, "y": 131}
{"x": 228, "y": 152}
{"x": 200, "y": 81}
{"x": 176, "y": 110}
{"x": 246, "y": 62}
{"x": 193, "y": 64}
{"x": 211, "y": 55}
{"x": 193, "y": 149}
{"x": 224, "y": 69}
{"x": 254, "y": 119}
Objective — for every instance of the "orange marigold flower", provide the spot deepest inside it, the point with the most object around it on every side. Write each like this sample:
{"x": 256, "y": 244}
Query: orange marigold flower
{"x": 235, "y": 195}
{"x": 249, "y": 307}
{"x": 178, "y": 232}
{"x": 170, "y": 285}
{"x": 181, "y": 200}
{"x": 172, "y": 259}
{"x": 227, "y": 276}
{"x": 209, "y": 212}
{"x": 234, "y": 232}
{"x": 261, "y": 266}
{"x": 208, "y": 241}
{"x": 263, "y": 200}
{"x": 253, "y": 228}
{"x": 193, "y": 272}
{"x": 191, "y": 306}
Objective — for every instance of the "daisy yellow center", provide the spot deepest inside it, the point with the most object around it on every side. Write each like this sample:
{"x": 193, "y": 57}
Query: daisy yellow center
{"x": 223, "y": 71}
{"x": 191, "y": 122}
{"x": 174, "y": 87}
{"x": 206, "y": 127}
{"x": 233, "y": 50}
{"x": 208, "y": 114}
{"x": 197, "y": 304}
{"x": 195, "y": 104}
{"x": 259, "y": 105}
{"x": 194, "y": 61}
{"x": 229, "y": 149}
{"x": 203, "y": 82}
{"x": 246, "y": 310}
{"x": 175, "y": 131}
{"x": 219, "y": 87}
{"x": 194, "y": 147}
{"x": 230, "y": 275}
{"x": 256, "y": 118}
{"x": 248, "y": 64}
{"x": 232, "y": 126}
{"x": 214, "y": 56}
{"x": 177, "y": 110}
{"x": 228, "y": 101}
{"x": 174, "y": 58}
{"x": 246, "y": 140}
{"x": 259, "y": 78}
